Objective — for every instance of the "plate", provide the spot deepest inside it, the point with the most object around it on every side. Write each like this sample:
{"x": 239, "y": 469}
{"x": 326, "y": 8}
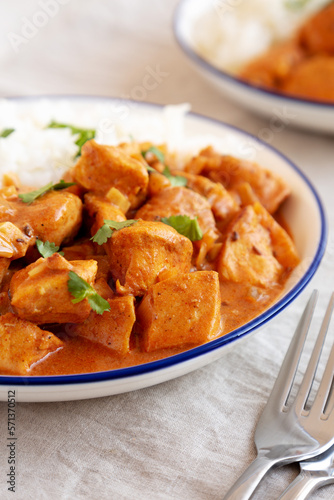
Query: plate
{"x": 289, "y": 111}
{"x": 304, "y": 204}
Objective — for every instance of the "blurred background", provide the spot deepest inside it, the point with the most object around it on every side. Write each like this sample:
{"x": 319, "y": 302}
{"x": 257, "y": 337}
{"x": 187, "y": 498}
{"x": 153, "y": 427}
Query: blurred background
{"x": 108, "y": 47}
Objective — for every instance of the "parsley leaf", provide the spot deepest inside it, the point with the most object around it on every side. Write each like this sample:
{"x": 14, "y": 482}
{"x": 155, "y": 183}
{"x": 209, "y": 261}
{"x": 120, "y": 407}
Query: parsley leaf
{"x": 102, "y": 235}
{"x": 6, "y": 132}
{"x": 46, "y": 248}
{"x": 81, "y": 290}
{"x": 84, "y": 133}
{"x": 33, "y": 195}
{"x": 184, "y": 225}
{"x": 175, "y": 180}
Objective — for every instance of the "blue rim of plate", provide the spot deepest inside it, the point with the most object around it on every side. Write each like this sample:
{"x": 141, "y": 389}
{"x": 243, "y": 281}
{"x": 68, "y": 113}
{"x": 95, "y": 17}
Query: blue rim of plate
{"x": 206, "y": 65}
{"x": 262, "y": 319}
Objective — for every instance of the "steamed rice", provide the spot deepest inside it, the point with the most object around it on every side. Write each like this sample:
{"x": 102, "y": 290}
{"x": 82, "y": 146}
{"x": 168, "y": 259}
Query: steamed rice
{"x": 232, "y": 32}
{"x": 39, "y": 155}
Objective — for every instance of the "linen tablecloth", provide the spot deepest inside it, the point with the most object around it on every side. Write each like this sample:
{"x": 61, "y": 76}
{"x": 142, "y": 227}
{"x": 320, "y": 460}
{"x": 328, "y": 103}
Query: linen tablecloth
{"x": 190, "y": 438}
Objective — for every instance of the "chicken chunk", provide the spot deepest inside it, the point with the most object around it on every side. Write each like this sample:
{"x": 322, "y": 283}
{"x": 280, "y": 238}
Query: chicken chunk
{"x": 138, "y": 254}
{"x": 22, "y": 343}
{"x": 256, "y": 251}
{"x": 222, "y": 204}
{"x": 111, "y": 329}
{"x": 54, "y": 217}
{"x": 100, "y": 168}
{"x": 39, "y": 292}
{"x": 13, "y": 245}
{"x": 179, "y": 201}
{"x": 313, "y": 79}
{"x": 100, "y": 209}
{"x": 316, "y": 35}
{"x": 183, "y": 310}
{"x": 269, "y": 188}
{"x": 271, "y": 68}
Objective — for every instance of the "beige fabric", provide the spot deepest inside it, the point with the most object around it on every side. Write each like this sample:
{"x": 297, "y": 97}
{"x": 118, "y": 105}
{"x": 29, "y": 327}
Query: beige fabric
{"x": 190, "y": 438}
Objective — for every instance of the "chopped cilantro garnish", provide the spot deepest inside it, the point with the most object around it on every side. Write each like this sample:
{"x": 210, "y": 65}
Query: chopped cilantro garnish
{"x": 6, "y": 132}
{"x": 81, "y": 290}
{"x": 84, "y": 134}
{"x": 295, "y": 4}
{"x": 185, "y": 225}
{"x": 46, "y": 248}
{"x": 33, "y": 195}
{"x": 175, "y": 180}
{"x": 157, "y": 153}
{"x": 102, "y": 235}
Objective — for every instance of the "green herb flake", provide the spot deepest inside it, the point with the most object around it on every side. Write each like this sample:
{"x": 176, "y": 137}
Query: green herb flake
{"x": 175, "y": 180}
{"x": 6, "y": 132}
{"x": 81, "y": 290}
{"x": 157, "y": 153}
{"x": 185, "y": 225}
{"x": 109, "y": 226}
{"x": 47, "y": 248}
{"x": 84, "y": 134}
{"x": 295, "y": 4}
{"x": 33, "y": 195}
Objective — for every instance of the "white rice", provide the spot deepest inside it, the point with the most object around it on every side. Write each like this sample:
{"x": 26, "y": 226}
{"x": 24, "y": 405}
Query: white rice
{"x": 39, "y": 155}
{"x": 232, "y": 32}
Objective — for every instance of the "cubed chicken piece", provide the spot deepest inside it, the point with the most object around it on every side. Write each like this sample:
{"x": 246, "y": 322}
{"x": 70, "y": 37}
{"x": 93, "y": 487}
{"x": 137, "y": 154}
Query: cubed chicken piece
{"x": 284, "y": 248}
{"x": 39, "y": 292}
{"x": 22, "y": 343}
{"x": 316, "y": 35}
{"x": 100, "y": 168}
{"x": 313, "y": 79}
{"x": 179, "y": 201}
{"x": 111, "y": 329}
{"x": 13, "y": 245}
{"x": 54, "y": 217}
{"x": 269, "y": 188}
{"x": 183, "y": 310}
{"x": 271, "y": 68}
{"x": 252, "y": 252}
{"x": 100, "y": 210}
{"x": 222, "y": 204}
{"x": 138, "y": 254}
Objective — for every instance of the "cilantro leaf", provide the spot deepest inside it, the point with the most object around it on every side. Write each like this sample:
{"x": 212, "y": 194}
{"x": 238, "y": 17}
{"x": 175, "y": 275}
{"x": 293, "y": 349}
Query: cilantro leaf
{"x": 184, "y": 225}
{"x": 6, "y": 132}
{"x": 295, "y": 4}
{"x": 81, "y": 290}
{"x": 102, "y": 235}
{"x": 84, "y": 133}
{"x": 157, "y": 153}
{"x": 175, "y": 180}
{"x": 33, "y": 195}
{"x": 46, "y": 248}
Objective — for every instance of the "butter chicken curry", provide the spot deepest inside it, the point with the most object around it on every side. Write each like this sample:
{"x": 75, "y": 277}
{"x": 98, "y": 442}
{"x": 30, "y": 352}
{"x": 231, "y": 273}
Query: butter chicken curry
{"x": 131, "y": 258}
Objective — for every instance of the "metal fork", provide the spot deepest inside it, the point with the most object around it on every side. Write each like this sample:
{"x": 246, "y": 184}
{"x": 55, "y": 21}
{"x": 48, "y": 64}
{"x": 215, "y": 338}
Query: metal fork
{"x": 287, "y": 434}
{"x": 314, "y": 474}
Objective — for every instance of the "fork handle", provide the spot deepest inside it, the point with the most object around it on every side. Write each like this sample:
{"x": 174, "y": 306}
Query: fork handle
{"x": 249, "y": 480}
{"x": 304, "y": 484}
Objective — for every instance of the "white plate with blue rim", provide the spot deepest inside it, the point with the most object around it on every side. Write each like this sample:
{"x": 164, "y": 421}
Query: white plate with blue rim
{"x": 114, "y": 117}
{"x": 281, "y": 109}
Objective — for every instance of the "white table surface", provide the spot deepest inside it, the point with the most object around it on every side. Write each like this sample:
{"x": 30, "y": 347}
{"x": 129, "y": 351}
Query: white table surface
{"x": 189, "y": 438}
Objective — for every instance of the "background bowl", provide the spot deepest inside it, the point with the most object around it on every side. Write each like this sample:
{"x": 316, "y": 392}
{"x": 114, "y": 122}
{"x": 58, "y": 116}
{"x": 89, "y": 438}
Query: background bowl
{"x": 303, "y": 211}
{"x": 300, "y": 112}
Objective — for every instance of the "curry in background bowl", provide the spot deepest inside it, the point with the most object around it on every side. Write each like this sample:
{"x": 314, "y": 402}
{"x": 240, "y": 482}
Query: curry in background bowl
{"x": 302, "y": 66}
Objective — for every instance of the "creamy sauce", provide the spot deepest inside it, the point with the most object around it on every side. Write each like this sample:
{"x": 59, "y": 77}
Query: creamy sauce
{"x": 83, "y": 356}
